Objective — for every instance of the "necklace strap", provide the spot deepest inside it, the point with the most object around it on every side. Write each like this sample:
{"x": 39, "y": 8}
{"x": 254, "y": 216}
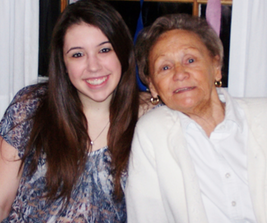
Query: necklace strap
{"x": 92, "y": 141}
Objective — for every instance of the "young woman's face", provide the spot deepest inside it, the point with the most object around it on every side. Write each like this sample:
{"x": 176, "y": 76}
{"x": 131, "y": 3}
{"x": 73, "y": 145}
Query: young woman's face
{"x": 91, "y": 62}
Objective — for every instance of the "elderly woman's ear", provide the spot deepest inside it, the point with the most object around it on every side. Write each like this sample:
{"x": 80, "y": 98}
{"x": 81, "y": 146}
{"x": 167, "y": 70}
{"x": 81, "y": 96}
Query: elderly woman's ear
{"x": 218, "y": 68}
{"x": 152, "y": 89}
{"x": 154, "y": 94}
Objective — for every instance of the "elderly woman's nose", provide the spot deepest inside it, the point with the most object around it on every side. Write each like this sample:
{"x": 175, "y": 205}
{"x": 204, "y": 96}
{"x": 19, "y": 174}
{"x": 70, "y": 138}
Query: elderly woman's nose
{"x": 180, "y": 73}
{"x": 93, "y": 63}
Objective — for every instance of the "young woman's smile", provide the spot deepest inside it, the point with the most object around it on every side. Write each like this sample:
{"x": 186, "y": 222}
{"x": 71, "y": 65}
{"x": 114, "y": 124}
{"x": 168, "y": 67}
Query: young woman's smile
{"x": 98, "y": 81}
{"x": 91, "y": 62}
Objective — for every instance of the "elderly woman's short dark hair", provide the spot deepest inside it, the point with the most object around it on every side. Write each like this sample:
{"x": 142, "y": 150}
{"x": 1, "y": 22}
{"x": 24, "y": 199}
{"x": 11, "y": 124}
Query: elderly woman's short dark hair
{"x": 149, "y": 35}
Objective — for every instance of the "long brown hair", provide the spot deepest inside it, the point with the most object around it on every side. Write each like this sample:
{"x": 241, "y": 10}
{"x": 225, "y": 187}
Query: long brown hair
{"x": 60, "y": 128}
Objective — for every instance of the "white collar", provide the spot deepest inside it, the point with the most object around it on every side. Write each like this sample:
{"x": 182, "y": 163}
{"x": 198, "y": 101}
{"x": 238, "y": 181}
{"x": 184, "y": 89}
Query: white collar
{"x": 233, "y": 112}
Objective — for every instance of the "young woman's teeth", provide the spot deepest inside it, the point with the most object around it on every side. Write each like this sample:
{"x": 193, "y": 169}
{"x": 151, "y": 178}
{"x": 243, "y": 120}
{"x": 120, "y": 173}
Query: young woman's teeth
{"x": 96, "y": 81}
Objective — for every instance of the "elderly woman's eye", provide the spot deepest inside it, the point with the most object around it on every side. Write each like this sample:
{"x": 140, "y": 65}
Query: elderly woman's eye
{"x": 165, "y": 68}
{"x": 191, "y": 60}
{"x": 77, "y": 55}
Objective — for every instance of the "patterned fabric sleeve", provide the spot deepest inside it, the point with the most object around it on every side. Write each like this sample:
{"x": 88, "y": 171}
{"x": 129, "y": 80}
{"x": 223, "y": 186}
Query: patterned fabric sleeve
{"x": 16, "y": 123}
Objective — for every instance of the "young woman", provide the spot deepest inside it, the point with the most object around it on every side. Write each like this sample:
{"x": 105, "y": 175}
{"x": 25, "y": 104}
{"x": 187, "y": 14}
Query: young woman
{"x": 65, "y": 144}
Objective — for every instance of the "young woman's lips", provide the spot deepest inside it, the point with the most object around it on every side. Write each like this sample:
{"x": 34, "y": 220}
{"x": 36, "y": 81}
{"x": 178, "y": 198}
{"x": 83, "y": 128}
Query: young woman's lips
{"x": 97, "y": 81}
{"x": 180, "y": 90}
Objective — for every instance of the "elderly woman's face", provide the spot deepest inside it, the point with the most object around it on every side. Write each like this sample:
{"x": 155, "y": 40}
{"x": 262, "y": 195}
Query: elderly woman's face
{"x": 182, "y": 72}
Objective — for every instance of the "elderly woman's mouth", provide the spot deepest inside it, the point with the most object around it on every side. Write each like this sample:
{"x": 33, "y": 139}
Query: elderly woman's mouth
{"x": 180, "y": 90}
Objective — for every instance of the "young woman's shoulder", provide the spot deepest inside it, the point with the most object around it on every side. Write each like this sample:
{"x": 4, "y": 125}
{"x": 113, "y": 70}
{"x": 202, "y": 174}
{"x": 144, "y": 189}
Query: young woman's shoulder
{"x": 16, "y": 123}
{"x": 25, "y": 102}
{"x": 30, "y": 92}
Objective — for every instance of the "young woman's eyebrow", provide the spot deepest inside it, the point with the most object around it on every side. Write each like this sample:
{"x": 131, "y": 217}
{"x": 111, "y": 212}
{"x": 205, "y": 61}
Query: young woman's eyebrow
{"x": 73, "y": 48}
{"x": 103, "y": 43}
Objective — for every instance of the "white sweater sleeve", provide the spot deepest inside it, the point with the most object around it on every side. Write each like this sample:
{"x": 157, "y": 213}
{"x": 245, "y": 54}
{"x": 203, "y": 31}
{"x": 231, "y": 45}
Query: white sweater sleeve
{"x": 143, "y": 197}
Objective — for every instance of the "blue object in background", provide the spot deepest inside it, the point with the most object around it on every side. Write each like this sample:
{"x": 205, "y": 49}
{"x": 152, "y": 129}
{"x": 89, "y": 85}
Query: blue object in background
{"x": 139, "y": 27}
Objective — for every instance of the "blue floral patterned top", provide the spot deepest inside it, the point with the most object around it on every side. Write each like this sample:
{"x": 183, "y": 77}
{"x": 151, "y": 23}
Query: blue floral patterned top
{"x": 92, "y": 197}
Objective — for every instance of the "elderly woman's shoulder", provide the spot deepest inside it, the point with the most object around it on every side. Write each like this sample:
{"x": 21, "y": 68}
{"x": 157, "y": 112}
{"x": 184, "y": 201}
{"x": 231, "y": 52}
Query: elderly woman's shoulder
{"x": 157, "y": 116}
{"x": 255, "y": 110}
{"x": 253, "y": 104}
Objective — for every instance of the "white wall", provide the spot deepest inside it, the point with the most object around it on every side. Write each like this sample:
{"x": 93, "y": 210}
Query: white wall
{"x": 19, "y": 25}
{"x": 248, "y": 49}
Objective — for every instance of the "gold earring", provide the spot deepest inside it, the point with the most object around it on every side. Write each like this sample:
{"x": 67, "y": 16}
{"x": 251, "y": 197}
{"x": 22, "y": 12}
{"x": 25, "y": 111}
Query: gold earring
{"x": 218, "y": 83}
{"x": 154, "y": 101}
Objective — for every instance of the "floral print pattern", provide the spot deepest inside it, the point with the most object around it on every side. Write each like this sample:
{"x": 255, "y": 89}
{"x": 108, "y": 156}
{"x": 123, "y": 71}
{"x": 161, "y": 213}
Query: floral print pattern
{"x": 92, "y": 198}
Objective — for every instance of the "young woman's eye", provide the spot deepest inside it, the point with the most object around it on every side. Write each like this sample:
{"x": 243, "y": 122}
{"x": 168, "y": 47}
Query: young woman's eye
{"x": 105, "y": 50}
{"x": 77, "y": 55}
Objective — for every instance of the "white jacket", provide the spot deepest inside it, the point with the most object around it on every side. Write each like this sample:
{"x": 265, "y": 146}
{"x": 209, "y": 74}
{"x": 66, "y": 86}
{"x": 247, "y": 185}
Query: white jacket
{"x": 162, "y": 185}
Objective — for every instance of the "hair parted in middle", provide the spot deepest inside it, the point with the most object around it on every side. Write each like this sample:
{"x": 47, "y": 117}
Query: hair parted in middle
{"x": 60, "y": 127}
{"x": 148, "y": 37}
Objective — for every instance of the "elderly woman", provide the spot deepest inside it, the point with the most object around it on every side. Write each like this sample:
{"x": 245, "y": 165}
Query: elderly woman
{"x": 201, "y": 157}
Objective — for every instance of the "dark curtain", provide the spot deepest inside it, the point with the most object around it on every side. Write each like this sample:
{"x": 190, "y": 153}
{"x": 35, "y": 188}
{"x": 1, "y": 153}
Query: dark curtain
{"x": 49, "y": 10}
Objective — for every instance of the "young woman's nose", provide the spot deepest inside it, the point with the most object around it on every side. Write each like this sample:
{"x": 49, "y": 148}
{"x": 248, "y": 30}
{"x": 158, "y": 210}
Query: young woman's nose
{"x": 93, "y": 63}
